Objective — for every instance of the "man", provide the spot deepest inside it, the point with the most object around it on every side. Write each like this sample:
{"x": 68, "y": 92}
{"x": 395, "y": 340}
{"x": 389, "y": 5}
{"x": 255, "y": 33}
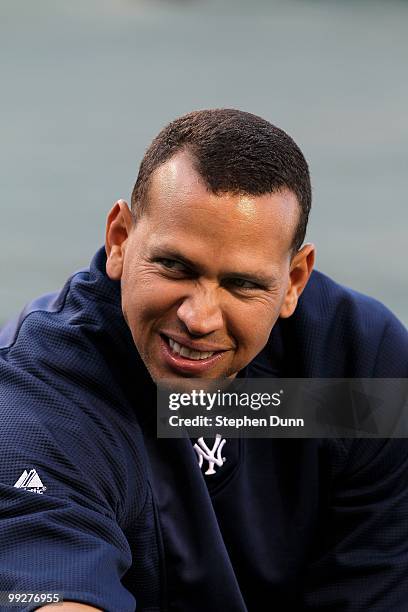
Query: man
{"x": 205, "y": 276}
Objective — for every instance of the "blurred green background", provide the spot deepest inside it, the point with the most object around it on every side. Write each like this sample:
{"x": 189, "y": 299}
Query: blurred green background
{"x": 87, "y": 84}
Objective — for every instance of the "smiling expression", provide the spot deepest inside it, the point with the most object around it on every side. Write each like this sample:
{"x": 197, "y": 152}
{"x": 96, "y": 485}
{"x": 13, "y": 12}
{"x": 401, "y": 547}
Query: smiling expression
{"x": 204, "y": 277}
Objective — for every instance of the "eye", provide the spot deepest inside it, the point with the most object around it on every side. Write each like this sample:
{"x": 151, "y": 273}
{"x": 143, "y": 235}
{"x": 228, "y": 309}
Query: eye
{"x": 242, "y": 283}
{"x": 171, "y": 264}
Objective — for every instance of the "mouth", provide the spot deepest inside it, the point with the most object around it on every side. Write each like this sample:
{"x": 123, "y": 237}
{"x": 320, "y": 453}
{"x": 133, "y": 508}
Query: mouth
{"x": 183, "y": 359}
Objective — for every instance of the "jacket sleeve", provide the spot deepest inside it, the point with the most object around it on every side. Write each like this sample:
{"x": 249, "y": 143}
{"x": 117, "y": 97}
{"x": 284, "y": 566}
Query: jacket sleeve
{"x": 60, "y": 508}
{"x": 361, "y": 560}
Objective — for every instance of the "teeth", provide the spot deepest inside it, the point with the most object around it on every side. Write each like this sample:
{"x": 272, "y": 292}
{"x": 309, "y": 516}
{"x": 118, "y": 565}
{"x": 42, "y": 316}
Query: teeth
{"x": 186, "y": 352}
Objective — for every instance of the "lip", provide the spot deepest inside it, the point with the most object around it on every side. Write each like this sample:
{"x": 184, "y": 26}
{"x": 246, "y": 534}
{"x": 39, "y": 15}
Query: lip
{"x": 184, "y": 365}
{"x": 192, "y": 345}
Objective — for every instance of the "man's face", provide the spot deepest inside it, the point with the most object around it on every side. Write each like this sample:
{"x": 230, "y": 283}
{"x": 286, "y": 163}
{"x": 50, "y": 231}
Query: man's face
{"x": 204, "y": 276}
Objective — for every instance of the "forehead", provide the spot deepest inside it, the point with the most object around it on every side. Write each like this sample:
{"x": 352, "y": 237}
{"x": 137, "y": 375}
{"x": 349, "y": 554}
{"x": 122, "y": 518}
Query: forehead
{"x": 181, "y": 208}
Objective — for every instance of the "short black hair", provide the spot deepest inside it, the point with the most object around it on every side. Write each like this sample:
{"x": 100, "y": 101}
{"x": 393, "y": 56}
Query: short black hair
{"x": 234, "y": 152}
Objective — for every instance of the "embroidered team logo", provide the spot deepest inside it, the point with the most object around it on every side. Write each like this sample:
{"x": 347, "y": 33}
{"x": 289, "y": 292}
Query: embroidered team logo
{"x": 212, "y": 455}
{"x": 30, "y": 481}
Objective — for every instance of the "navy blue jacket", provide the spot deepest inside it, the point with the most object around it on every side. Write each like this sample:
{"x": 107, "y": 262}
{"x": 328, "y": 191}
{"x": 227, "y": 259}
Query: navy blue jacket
{"x": 123, "y": 521}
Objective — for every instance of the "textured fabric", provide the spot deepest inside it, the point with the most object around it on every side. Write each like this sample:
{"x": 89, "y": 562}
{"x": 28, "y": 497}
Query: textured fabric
{"x": 128, "y": 522}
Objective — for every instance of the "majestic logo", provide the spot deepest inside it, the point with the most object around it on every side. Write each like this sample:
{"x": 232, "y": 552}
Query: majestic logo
{"x": 30, "y": 481}
{"x": 203, "y": 452}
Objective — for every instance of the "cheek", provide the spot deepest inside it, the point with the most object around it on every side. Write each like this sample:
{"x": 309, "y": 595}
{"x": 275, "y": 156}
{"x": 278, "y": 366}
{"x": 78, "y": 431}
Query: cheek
{"x": 251, "y": 324}
{"x": 147, "y": 299}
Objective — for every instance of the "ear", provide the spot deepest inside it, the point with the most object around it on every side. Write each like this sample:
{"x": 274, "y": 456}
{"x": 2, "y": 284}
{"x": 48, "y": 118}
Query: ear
{"x": 119, "y": 224}
{"x": 300, "y": 270}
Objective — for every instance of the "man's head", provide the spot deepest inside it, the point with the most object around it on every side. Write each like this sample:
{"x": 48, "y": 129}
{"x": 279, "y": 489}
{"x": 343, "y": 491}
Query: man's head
{"x": 209, "y": 257}
{"x": 233, "y": 152}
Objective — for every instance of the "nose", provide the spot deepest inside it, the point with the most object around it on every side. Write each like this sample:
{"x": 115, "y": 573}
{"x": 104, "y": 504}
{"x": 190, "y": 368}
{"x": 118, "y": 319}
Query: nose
{"x": 201, "y": 312}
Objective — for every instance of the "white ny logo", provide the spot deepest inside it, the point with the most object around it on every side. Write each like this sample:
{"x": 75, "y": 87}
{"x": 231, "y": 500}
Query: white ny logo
{"x": 203, "y": 452}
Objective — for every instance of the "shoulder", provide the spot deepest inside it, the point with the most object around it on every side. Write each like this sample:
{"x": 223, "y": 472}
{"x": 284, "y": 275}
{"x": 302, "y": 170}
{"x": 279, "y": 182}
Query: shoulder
{"x": 328, "y": 298}
{"x": 339, "y": 332}
{"x": 62, "y": 400}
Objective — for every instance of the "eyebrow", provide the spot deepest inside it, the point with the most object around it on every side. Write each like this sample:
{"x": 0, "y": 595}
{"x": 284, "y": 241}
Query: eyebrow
{"x": 172, "y": 253}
